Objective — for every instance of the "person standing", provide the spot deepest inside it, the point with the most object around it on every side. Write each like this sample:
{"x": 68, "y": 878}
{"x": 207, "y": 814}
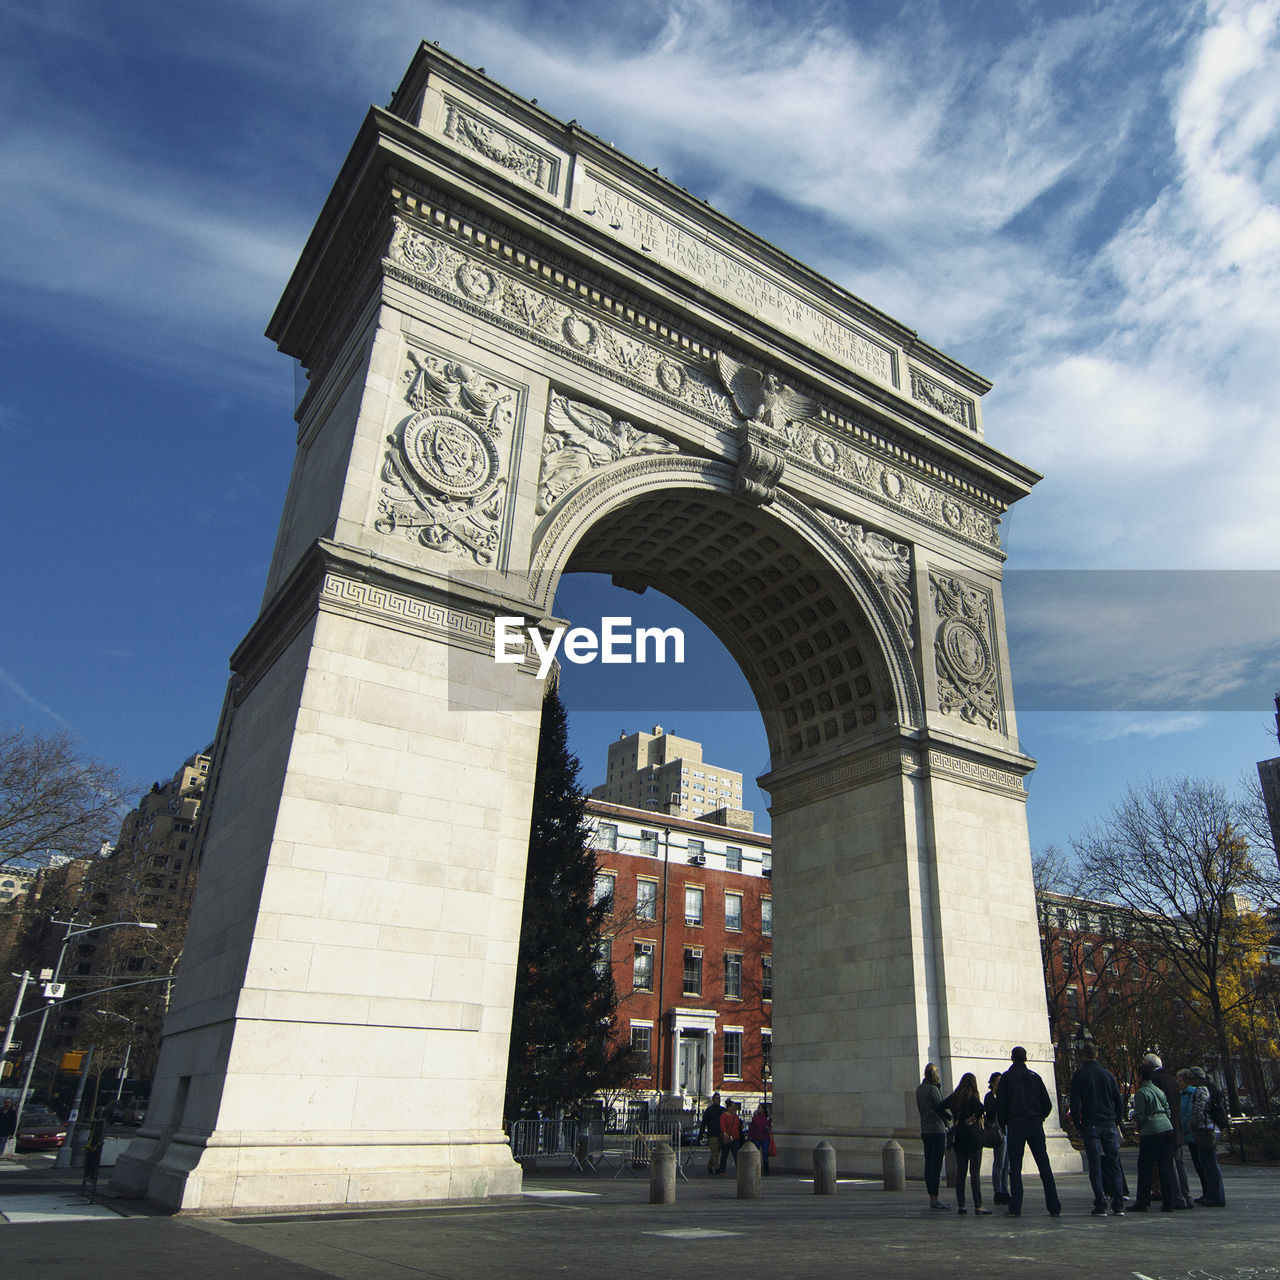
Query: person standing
{"x": 1204, "y": 1133}
{"x": 1000, "y": 1151}
{"x": 1023, "y": 1105}
{"x": 760, "y": 1132}
{"x": 1169, "y": 1085}
{"x": 8, "y": 1125}
{"x": 730, "y": 1134}
{"x": 967, "y": 1110}
{"x": 1096, "y": 1107}
{"x": 1154, "y": 1123}
{"x": 711, "y": 1127}
{"x": 933, "y": 1131}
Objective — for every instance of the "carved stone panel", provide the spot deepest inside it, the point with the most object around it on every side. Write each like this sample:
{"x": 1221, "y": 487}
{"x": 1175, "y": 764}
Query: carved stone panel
{"x": 470, "y": 131}
{"x": 445, "y": 470}
{"x": 964, "y": 651}
{"x": 942, "y": 399}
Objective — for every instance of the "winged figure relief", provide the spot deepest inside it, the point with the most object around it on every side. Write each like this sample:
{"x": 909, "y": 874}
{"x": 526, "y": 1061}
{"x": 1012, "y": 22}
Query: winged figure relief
{"x": 763, "y": 398}
{"x": 888, "y": 563}
{"x": 580, "y": 438}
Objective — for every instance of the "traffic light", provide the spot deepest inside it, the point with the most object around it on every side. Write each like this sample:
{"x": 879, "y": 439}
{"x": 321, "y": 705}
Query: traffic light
{"x": 12, "y": 1059}
{"x": 72, "y": 1061}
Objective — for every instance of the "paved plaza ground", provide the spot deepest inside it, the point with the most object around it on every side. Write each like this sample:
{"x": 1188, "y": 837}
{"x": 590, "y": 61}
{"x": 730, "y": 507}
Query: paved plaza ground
{"x": 573, "y": 1224}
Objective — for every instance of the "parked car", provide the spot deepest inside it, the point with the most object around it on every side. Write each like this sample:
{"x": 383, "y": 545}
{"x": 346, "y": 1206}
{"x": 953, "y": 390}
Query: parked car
{"x": 40, "y": 1130}
{"x": 691, "y": 1135}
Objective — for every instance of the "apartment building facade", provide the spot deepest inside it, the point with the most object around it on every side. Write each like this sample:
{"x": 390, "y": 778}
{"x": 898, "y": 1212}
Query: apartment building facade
{"x": 691, "y": 949}
{"x": 661, "y": 772}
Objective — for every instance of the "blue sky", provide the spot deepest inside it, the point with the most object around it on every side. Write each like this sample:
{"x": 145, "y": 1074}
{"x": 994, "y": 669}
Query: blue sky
{"x": 1080, "y": 201}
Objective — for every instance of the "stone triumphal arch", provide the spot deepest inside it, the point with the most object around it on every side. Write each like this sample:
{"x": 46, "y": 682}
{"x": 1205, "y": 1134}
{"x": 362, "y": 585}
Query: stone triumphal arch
{"x": 528, "y": 355}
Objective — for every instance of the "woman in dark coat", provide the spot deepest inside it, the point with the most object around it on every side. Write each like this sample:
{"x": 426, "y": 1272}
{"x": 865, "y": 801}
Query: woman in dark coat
{"x": 967, "y": 1110}
{"x": 933, "y": 1132}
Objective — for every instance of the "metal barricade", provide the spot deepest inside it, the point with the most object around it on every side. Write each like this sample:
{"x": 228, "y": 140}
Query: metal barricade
{"x": 640, "y": 1140}
{"x": 541, "y": 1139}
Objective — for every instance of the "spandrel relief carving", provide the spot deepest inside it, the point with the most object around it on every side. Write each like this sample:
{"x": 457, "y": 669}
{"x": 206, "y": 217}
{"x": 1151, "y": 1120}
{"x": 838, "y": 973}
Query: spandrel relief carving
{"x": 964, "y": 652}
{"x": 580, "y": 438}
{"x": 888, "y": 563}
{"x": 443, "y": 481}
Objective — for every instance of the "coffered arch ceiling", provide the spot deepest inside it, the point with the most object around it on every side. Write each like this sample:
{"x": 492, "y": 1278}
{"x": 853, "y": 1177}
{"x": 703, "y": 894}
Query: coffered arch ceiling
{"x": 789, "y": 616}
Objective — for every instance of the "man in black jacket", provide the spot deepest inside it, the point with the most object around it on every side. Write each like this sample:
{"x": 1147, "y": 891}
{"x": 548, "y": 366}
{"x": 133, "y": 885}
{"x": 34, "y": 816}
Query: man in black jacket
{"x": 711, "y": 1127}
{"x": 1023, "y": 1105}
{"x": 1096, "y": 1108}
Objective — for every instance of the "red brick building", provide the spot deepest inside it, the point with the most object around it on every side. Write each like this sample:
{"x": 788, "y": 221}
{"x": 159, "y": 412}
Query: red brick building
{"x": 691, "y": 949}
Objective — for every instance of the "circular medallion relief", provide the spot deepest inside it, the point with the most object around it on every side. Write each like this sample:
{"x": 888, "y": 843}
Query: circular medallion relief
{"x": 952, "y": 513}
{"x": 450, "y": 454}
{"x": 824, "y": 453}
{"x": 671, "y": 377}
{"x": 579, "y": 333}
{"x": 477, "y": 282}
{"x": 893, "y": 484}
{"x": 966, "y": 649}
{"x": 419, "y": 253}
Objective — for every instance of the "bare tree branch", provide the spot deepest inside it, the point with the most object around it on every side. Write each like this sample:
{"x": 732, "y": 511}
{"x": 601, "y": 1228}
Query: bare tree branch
{"x": 53, "y": 798}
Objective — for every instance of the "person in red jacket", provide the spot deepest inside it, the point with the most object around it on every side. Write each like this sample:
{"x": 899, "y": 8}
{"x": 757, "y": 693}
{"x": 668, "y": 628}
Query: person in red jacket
{"x": 730, "y": 1134}
{"x": 760, "y": 1131}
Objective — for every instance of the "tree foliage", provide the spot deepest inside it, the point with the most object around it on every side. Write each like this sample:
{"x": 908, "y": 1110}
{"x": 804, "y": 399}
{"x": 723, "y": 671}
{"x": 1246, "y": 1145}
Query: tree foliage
{"x": 54, "y": 798}
{"x": 1173, "y": 855}
{"x": 564, "y": 997}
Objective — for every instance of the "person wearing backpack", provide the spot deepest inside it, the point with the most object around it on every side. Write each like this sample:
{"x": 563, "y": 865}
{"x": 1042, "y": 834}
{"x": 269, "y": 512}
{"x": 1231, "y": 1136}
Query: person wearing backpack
{"x": 1202, "y": 1133}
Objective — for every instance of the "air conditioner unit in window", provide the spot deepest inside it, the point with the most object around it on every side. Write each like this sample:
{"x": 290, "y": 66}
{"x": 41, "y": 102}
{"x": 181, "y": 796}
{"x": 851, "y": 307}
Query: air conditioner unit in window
{"x": 767, "y": 872}
{"x": 697, "y": 860}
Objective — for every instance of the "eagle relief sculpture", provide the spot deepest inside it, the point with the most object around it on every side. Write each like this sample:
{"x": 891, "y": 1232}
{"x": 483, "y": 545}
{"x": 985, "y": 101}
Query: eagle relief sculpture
{"x": 580, "y": 438}
{"x": 769, "y": 408}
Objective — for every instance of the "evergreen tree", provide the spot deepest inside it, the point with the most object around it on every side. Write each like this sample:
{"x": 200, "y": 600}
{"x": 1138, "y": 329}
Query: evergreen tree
{"x": 564, "y": 997}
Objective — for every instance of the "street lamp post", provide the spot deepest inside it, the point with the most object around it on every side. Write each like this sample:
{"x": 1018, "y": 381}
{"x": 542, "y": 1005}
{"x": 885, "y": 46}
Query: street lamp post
{"x": 71, "y": 932}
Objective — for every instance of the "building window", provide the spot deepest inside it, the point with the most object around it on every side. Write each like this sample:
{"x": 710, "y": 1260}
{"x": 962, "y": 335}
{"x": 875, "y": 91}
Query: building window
{"x": 766, "y": 864}
{"x": 733, "y": 1055}
{"x": 642, "y": 1047}
{"x": 603, "y": 889}
{"x": 1073, "y": 1001}
{"x": 733, "y": 912}
{"x": 604, "y": 957}
{"x": 766, "y": 917}
{"x": 643, "y": 978}
{"x": 733, "y": 975}
{"x": 766, "y": 977}
{"x": 732, "y": 859}
{"x": 649, "y": 842}
{"x": 766, "y": 1051}
{"x": 646, "y": 899}
{"x": 607, "y": 837}
{"x": 697, "y": 852}
{"x": 692, "y": 905}
{"x": 693, "y": 971}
